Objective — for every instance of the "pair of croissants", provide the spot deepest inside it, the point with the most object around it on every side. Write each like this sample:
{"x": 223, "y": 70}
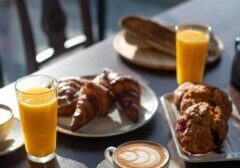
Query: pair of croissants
{"x": 87, "y": 98}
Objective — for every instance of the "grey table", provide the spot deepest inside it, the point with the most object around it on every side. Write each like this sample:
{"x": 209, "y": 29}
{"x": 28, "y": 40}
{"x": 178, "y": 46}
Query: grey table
{"x": 223, "y": 16}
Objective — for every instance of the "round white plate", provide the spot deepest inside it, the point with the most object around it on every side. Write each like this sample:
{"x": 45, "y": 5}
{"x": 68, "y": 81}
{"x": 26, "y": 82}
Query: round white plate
{"x": 13, "y": 141}
{"x": 106, "y": 164}
{"x": 115, "y": 123}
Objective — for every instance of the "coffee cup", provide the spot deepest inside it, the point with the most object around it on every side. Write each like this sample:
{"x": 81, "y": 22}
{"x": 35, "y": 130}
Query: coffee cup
{"x": 6, "y": 121}
{"x": 138, "y": 154}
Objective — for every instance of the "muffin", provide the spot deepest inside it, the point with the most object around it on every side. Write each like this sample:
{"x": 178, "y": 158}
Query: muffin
{"x": 205, "y": 93}
{"x": 202, "y": 128}
{"x": 179, "y": 92}
{"x": 205, "y": 111}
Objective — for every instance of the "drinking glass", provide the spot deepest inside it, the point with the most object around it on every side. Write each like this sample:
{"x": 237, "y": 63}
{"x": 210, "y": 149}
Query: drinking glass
{"x": 191, "y": 51}
{"x": 37, "y": 102}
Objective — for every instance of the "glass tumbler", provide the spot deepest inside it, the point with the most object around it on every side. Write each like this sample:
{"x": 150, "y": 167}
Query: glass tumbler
{"x": 191, "y": 51}
{"x": 37, "y": 102}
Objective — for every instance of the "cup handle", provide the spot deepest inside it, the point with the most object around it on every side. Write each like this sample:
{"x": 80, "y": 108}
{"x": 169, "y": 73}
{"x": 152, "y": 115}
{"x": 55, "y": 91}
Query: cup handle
{"x": 108, "y": 153}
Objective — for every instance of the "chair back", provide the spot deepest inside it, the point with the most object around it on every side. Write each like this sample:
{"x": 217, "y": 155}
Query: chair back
{"x": 54, "y": 25}
{"x": 1, "y": 74}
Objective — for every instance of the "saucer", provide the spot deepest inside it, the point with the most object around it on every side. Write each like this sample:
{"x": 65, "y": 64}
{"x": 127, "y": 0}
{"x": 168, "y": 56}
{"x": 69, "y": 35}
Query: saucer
{"x": 14, "y": 139}
{"x": 106, "y": 164}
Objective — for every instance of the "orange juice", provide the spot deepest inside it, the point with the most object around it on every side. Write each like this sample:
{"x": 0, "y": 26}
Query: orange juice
{"x": 38, "y": 112}
{"x": 191, "y": 50}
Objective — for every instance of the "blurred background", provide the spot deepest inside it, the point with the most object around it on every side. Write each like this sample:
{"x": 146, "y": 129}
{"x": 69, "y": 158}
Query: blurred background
{"x": 12, "y": 52}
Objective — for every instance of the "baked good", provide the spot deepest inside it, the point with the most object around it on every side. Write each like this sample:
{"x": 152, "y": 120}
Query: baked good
{"x": 127, "y": 93}
{"x": 205, "y": 111}
{"x": 68, "y": 91}
{"x": 153, "y": 34}
{"x": 202, "y": 128}
{"x": 209, "y": 94}
{"x": 103, "y": 79}
{"x": 86, "y": 99}
{"x": 179, "y": 92}
{"x": 134, "y": 39}
{"x": 94, "y": 100}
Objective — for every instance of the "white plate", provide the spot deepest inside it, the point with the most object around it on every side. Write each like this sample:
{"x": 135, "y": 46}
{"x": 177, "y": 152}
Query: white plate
{"x": 106, "y": 164}
{"x": 231, "y": 147}
{"x": 13, "y": 141}
{"x": 115, "y": 123}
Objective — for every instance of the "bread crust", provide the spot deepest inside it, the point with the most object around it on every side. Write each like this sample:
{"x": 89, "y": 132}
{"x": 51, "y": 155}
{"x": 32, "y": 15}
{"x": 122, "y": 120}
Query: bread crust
{"x": 158, "y": 36}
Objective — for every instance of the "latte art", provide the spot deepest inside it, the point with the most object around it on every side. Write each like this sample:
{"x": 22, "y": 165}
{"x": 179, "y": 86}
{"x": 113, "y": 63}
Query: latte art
{"x": 141, "y": 156}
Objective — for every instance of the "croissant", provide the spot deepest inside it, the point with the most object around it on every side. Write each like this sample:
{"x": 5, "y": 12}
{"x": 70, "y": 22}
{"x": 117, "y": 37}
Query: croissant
{"x": 127, "y": 93}
{"x": 85, "y": 99}
{"x": 68, "y": 91}
{"x": 103, "y": 79}
{"x": 94, "y": 100}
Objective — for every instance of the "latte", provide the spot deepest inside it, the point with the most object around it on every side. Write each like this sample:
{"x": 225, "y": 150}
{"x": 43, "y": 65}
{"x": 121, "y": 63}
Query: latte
{"x": 141, "y": 154}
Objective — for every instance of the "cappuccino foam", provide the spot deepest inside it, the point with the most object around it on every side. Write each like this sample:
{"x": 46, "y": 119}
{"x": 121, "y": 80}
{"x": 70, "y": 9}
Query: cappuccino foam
{"x": 140, "y": 155}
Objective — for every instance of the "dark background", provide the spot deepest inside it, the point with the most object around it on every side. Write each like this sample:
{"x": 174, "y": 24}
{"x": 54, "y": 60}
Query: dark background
{"x": 11, "y": 46}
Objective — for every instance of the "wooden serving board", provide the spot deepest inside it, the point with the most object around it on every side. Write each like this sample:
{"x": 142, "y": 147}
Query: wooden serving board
{"x": 155, "y": 59}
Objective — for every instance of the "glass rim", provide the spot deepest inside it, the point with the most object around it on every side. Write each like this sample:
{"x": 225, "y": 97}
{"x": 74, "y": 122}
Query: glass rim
{"x": 197, "y": 26}
{"x": 36, "y": 75}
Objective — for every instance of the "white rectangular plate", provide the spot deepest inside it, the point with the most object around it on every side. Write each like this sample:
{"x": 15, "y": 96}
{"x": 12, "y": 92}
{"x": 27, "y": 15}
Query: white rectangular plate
{"x": 231, "y": 148}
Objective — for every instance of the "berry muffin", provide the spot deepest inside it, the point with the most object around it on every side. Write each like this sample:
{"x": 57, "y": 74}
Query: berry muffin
{"x": 202, "y": 128}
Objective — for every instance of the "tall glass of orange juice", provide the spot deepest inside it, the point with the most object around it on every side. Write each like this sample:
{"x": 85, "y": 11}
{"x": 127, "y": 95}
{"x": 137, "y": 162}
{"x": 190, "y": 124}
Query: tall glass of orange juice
{"x": 191, "y": 51}
{"x": 37, "y": 102}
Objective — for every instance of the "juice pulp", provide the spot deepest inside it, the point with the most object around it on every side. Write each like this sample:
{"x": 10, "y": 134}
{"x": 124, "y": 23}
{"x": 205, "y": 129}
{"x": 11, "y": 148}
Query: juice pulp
{"x": 191, "y": 50}
{"x": 38, "y": 112}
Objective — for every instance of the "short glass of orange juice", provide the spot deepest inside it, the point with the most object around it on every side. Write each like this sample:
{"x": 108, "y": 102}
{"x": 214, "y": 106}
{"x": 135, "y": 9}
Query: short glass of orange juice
{"x": 37, "y": 102}
{"x": 191, "y": 51}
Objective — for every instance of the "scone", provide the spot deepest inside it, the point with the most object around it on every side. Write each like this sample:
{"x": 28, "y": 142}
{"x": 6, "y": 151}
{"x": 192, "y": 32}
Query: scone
{"x": 202, "y": 128}
{"x": 205, "y": 93}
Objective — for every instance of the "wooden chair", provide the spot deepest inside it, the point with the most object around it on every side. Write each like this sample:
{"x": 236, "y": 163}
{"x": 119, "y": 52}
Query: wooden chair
{"x": 101, "y": 16}
{"x": 1, "y": 74}
{"x": 53, "y": 24}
